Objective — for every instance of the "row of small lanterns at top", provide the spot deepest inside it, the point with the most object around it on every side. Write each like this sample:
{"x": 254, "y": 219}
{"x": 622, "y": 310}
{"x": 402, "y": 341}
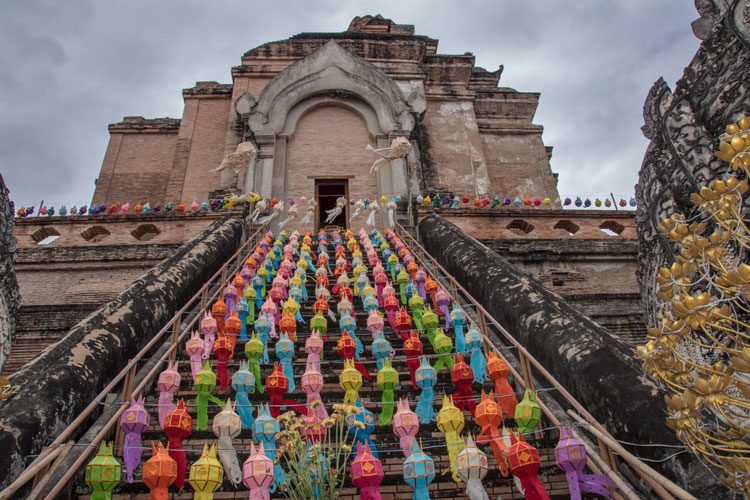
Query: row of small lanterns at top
{"x": 218, "y": 204}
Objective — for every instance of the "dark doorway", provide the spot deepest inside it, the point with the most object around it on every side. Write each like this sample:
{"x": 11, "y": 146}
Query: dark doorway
{"x": 327, "y": 191}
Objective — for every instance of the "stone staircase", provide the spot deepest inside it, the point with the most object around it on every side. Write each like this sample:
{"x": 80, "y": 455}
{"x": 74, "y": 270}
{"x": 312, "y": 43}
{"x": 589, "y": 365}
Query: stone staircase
{"x": 393, "y": 486}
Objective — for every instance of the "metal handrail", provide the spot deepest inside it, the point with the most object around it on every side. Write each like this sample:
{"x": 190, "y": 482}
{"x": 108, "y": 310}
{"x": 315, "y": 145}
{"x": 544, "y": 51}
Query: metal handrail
{"x": 526, "y": 361}
{"x": 127, "y": 374}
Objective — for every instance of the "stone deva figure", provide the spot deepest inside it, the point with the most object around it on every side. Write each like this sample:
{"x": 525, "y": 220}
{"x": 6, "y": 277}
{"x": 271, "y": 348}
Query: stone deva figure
{"x": 9, "y": 297}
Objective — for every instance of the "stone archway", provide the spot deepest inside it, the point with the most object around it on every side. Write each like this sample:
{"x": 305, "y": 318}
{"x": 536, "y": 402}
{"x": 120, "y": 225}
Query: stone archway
{"x": 331, "y": 76}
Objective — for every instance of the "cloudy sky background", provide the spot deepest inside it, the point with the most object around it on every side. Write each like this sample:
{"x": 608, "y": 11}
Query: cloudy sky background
{"x": 71, "y": 67}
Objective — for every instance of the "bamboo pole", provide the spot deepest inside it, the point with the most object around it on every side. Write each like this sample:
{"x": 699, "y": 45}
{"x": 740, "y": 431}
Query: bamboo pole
{"x": 635, "y": 462}
{"x": 29, "y": 473}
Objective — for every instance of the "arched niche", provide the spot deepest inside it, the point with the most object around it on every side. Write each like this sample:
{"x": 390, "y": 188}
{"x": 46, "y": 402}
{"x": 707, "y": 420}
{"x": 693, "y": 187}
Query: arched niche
{"x": 331, "y": 76}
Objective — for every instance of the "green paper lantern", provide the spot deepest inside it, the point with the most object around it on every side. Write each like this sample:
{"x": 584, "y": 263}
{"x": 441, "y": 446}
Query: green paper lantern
{"x": 103, "y": 473}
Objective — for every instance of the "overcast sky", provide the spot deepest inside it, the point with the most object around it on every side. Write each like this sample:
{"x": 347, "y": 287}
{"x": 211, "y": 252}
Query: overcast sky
{"x": 69, "y": 68}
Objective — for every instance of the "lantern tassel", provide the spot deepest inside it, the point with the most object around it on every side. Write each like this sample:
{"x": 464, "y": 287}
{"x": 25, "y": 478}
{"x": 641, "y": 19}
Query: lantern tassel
{"x": 424, "y": 408}
{"x": 320, "y": 409}
{"x": 402, "y": 292}
{"x": 392, "y": 319}
{"x": 479, "y": 366}
{"x": 421, "y": 493}
{"x": 174, "y": 448}
{"x": 245, "y": 409}
{"x": 229, "y": 460}
{"x": 455, "y": 445}
{"x": 463, "y": 398}
{"x": 254, "y": 367}
{"x": 533, "y": 488}
{"x": 475, "y": 490}
{"x": 131, "y": 453}
{"x": 196, "y": 363}
{"x": 222, "y": 373}
{"x": 386, "y": 411}
{"x": 278, "y": 402}
{"x": 201, "y": 404}
{"x": 286, "y": 364}
{"x": 243, "y": 320}
{"x": 413, "y": 364}
{"x": 208, "y": 344}
{"x": 458, "y": 329}
{"x": 166, "y": 406}
{"x": 444, "y": 359}
{"x": 362, "y": 369}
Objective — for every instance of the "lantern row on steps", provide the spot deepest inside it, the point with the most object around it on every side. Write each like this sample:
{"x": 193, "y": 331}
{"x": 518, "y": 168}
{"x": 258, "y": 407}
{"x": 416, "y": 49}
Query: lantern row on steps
{"x": 272, "y": 263}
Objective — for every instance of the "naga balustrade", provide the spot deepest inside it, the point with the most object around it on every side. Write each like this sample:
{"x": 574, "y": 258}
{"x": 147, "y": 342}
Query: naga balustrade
{"x": 606, "y": 460}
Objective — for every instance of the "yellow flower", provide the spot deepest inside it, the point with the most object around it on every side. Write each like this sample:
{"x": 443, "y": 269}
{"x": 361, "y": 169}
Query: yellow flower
{"x": 346, "y": 448}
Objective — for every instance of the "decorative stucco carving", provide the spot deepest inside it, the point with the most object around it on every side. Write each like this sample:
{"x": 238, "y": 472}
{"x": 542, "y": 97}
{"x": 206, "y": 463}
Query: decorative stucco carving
{"x": 682, "y": 125}
{"x": 331, "y": 68}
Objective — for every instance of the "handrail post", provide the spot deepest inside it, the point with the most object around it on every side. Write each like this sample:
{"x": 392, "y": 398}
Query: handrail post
{"x": 127, "y": 391}
{"x": 175, "y": 334}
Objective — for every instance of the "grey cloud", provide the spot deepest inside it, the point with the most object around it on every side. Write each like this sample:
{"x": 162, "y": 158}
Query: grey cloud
{"x": 72, "y": 67}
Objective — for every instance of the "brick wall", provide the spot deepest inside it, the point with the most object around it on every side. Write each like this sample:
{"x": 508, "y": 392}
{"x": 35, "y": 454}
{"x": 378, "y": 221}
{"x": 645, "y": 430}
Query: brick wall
{"x": 136, "y": 168}
{"x": 206, "y": 146}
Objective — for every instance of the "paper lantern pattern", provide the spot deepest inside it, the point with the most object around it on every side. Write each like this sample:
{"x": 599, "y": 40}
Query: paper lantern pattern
{"x": 258, "y": 473}
{"x": 497, "y": 370}
{"x": 524, "y": 464}
{"x": 204, "y": 384}
{"x": 206, "y": 474}
{"x": 226, "y": 427}
{"x": 103, "y": 473}
{"x": 419, "y": 472}
{"x": 570, "y": 456}
{"x": 160, "y": 472}
{"x": 243, "y": 382}
{"x": 471, "y": 465}
{"x": 178, "y": 427}
{"x": 168, "y": 385}
{"x": 388, "y": 381}
{"x": 528, "y": 413}
{"x": 450, "y": 421}
{"x": 426, "y": 379}
{"x": 367, "y": 473}
{"x": 133, "y": 421}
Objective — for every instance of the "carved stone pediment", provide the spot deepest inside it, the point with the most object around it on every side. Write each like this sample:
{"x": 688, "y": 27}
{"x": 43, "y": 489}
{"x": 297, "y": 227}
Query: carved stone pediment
{"x": 331, "y": 68}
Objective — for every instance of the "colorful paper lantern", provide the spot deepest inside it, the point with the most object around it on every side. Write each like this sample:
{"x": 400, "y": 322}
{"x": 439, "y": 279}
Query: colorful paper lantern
{"x": 133, "y": 421}
{"x": 570, "y": 455}
{"x": 265, "y": 428}
{"x": 381, "y": 349}
{"x": 350, "y": 381}
{"x": 223, "y": 351}
{"x": 346, "y": 347}
{"x": 403, "y": 323}
{"x": 204, "y": 384}
{"x": 450, "y": 421}
{"x": 489, "y": 417}
{"x": 387, "y": 382}
{"x": 276, "y": 386}
{"x": 263, "y": 326}
{"x": 430, "y": 322}
{"x": 413, "y": 349}
{"x": 227, "y": 426}
{"x": 168, "y": 385}
{"x": 361, "y": 424}
{"x": 160, "y": 472}
{"x": 254, "y": 350}
{"x": 194, "y": 350}
{"x": 367, "y": 473}
{"x": 177, "y": 427}
{"x": 206, "y": 474}
{"x": 524, "y": 464}
{"x": 419, "y": 472}
{"x": 314, "y": 349}
{"x": 208, "y": 329}
{"x": 103, "y": 473}
{"x": 285, "y": 353}
{"x": 475, "y": 344}
{"x": 528, "y": 413}
{"x": 405, "y": 425}
{"x": 243, "y": 382}
{"x": 426, "y": 379}
{"x": 443, "y": 347}
{"x": 472, "y": 467}
{"x": 462, "y": 376}
{"x": 312, "y": 384}
{"x": 218, "y": 311}
{"x": 258, "y": 473}
{"x": 497, "y": 370}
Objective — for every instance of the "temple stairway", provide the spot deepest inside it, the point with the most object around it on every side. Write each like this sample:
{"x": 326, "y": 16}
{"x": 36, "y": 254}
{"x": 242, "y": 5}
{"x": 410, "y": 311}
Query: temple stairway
{"x": 393, "y": 486}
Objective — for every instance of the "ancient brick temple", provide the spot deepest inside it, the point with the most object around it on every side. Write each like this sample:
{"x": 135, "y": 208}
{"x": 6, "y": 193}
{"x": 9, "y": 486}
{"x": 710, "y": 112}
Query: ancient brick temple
{"x": 108, "y": 292}
{"x": 312, "y": 103}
